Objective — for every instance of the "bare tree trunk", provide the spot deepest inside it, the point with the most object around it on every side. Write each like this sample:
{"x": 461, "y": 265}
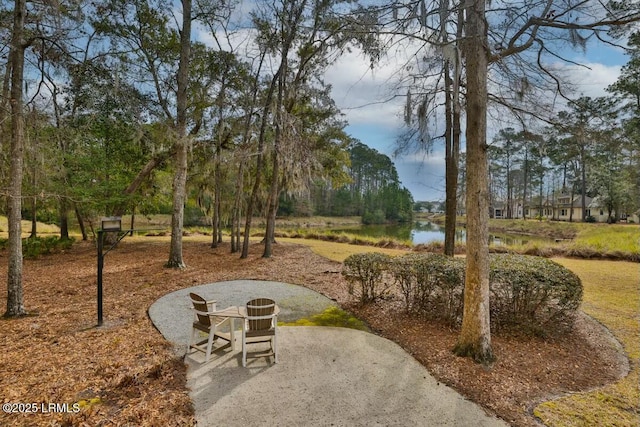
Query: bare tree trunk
{"x": 259, "y": 165}
{"x": 272, "y": 209}
{"x": 475, "y": 336}
{"x": 452, "y": 141}
{"x": 258, "y": 180}
{"x": 240, "y": 183}
{"x": 573, "y": 193}
{"x": 222, "y": 136}
{"x": 451, "y": 173}
{"x": 217, "y": 236}
{"x": 246, "y": 138}
{"x": 34, "y": 218}
{"x": 177, "y": 214}
{"x": 182, "y": 146}
{"x": 237, "y": 207}
{"x": 132, "y": 224}
{"x": 273, "y": 191}
{"x": 15, "y": 298}
{"x": 215, "y": 223}
{"x": 4, "y": 111}
{"x": 525, "y": 183}
{"x": 509, "y": 184}
{"x": 64, "y": 218}
{"x": 541, "y": 193}
{"x": 583, "y": 179}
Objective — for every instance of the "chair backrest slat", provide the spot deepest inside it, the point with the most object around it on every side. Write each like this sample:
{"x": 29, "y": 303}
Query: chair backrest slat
{"x": 200, "y": 306}
{"x": 260, "y": 314}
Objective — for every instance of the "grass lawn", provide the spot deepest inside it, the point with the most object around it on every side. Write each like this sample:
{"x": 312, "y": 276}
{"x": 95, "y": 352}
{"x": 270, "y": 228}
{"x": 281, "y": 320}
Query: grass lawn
{"x": 339, "y": 251}
{"x": 611, "y": 296}
{"x": 609, "y": 238}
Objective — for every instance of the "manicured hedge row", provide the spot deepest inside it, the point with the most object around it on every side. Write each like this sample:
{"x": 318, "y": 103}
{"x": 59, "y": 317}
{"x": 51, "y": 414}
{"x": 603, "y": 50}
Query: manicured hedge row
{"x": 529, "y": 294}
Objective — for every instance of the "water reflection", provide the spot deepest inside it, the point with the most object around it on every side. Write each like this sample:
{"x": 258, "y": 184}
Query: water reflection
{"x": 425, "y": 232}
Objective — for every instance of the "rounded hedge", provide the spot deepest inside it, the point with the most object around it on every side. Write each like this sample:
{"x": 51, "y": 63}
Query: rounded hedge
{"x": 532, "y": 294}
{"x": 527, "y": 293}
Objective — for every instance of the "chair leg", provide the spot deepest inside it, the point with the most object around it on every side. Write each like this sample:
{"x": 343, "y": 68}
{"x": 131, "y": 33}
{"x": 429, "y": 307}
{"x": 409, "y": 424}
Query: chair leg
{"x": 232, "y": 327}
{"x": 275, "y": 347}
{"x": 194, "y": 335}
{"x": 212, "y": 334}
{"x": 244, "y": 348}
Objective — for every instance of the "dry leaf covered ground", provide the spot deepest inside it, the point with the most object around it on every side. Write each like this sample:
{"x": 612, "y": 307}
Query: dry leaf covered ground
{"x": 124, "y": 373}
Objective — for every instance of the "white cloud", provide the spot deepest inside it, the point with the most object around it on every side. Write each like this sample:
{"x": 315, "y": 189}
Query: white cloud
{"x": 593, "y": 79}
{"x": 364, "y": 95}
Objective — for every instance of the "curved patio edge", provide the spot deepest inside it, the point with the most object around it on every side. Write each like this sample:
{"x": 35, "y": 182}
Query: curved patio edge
{"x": 325, "y": 375}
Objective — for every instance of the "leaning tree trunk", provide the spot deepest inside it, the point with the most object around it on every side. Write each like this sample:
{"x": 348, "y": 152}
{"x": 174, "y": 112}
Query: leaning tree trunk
{"x": 475, "y": 336}
{"x": 15, "y": 300}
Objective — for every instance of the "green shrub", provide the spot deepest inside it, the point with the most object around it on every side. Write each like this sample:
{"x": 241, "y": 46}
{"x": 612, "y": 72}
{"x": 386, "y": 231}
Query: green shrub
{"x": 431, "y": 284}
{"x": 532, "y": 294}
{"x": 450, "y": 296}
{"x": 375, "y": 217}
{"x": 527, "y": 294}
{"x": 366, "y": 270}
{"x": 33, "y": 247}
{"x": 403, "y": 269}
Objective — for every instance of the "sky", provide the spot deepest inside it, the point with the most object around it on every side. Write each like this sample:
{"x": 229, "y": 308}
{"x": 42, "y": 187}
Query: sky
{"x": 375, "y": 115}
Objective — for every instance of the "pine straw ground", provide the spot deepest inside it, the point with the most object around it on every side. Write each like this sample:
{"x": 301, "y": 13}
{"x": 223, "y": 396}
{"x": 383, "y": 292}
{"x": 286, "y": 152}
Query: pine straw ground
{"x": 124, "y": 373}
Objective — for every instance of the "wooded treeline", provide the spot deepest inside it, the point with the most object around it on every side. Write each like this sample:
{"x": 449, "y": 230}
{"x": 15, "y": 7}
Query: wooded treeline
{"x": 588, "y": 150}
{"x": 107, "y": 119}
{"x": 589, "y": 158}
{"x": 374, "y": 192}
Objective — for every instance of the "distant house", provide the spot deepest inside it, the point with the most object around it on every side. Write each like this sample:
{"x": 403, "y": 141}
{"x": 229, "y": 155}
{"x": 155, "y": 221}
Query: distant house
{"x": 567, "y": 208}
{"x": 499, "y": 209}
{"x": 535, "y": 209}
{"x": 561, "y": 207}
{"x": 600, "y": 213}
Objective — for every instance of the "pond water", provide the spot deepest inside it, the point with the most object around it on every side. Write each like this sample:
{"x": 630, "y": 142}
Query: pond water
{"x": 424, "y": 232}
